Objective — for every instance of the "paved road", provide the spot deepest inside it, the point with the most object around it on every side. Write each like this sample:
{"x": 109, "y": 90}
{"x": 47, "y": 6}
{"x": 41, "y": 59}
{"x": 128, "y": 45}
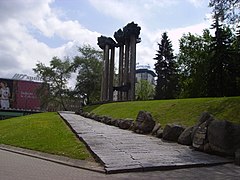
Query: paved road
{"x": 20, "y": 167}
{"x": 122, "y": 150}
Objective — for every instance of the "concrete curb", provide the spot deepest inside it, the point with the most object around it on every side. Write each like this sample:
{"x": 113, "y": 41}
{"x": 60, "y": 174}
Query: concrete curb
{"x": 86, "y": 165}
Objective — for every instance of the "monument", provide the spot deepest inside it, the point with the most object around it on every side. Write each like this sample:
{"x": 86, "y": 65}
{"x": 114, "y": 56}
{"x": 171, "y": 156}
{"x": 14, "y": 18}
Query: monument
{"x": 126, "y": 41}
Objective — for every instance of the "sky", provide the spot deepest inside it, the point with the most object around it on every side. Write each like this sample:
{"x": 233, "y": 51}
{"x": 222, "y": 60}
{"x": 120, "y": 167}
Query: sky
{"x": 34, "y": 31}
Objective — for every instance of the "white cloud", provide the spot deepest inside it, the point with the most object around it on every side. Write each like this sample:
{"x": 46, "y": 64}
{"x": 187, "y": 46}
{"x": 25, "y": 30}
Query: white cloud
{"x": 19, "y": 48}
{"x": 197, "y": 3}
{"x": 122, "y": 10}
{"x": 134, "y": 10}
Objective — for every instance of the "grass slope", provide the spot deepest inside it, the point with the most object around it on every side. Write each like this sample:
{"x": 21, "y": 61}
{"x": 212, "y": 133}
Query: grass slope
{"x": 181, "y": 111}
{"x": 44, "y": 132}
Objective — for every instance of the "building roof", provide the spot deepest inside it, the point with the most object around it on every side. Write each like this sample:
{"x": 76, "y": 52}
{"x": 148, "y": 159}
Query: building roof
{"x": 146, "y": 71}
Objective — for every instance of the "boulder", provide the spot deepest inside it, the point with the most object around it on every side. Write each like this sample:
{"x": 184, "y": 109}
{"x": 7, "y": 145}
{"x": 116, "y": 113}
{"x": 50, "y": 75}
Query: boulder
{"x": 156, "y": 128}
{"x": 113, "y": 121}
{"x": 97, "y": 118}
{"x": 125, "y": 123}
{"x": 172, "y": 132}
{"x": 86, "y": 114}
{"x": 199, "y": 132}
{"x": 237, "y": 157}
{"x": 106, "y": 120}
{"x": 94, "y": 116}
{"x": 83, "y": 114}
{"x": 91, "y": 115}
{"x": 186, "y": 137}
{"x": 159, "y": 133}
{"x": 224, "y": 137}
{"x": 205, "y": 117}
{"x": 144, "y": 123}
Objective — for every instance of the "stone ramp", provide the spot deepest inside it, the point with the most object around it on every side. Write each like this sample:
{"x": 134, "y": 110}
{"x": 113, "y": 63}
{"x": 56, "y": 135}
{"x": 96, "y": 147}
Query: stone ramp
{"x": 123, "y": 151}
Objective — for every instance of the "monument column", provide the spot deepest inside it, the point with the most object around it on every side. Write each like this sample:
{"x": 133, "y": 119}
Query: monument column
{"x": 120, "y": 70}
{"x": 111, "y": 74}
{"x": 103, "y": 74}
{"x": 126, "y": 68}
{"x": 106, "y": 73}
{"x": 132, "y": 67}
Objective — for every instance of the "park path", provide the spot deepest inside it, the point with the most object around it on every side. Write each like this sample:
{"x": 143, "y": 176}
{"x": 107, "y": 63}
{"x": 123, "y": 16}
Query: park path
{"x": 122, "y": 150}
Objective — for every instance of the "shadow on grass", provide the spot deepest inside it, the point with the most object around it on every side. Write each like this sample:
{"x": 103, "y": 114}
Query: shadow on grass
{"x": 227, "y": 108}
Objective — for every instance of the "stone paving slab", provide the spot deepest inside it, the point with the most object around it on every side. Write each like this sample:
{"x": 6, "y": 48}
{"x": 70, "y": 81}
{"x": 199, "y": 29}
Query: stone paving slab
{"x": 122, "y": 150}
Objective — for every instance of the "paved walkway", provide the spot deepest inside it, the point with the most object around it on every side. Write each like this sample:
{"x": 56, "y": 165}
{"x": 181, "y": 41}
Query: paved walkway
{"x": 122, "y": 150}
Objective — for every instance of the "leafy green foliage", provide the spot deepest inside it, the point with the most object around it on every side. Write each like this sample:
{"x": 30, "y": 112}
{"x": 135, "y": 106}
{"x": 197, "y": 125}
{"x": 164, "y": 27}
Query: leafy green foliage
{"x": 144, "y": 90}
{"x": 89, "y": 68}
{"x": 44, "y": 132}
{"x": 193, "y": 61}
{"x": 55, "y": 78}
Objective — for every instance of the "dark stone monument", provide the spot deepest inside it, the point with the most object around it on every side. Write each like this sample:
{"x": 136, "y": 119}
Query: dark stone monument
{"x": 126, "y": 41}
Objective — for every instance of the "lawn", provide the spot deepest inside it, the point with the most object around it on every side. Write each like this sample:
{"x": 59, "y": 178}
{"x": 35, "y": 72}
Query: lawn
{"x": 181, "y": 111}
{"x": 45, "y": 132}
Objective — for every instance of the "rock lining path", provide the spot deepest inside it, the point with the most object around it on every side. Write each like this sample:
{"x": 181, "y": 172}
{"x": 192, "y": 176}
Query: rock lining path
{"x": 122, "y": 150}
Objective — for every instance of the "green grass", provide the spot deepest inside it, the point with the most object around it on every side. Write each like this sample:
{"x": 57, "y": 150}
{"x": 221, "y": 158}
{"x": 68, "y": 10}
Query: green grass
{"x": 90, "y": 108}
{"x": 45, "y": 132}
{"x": 181, "y": 111}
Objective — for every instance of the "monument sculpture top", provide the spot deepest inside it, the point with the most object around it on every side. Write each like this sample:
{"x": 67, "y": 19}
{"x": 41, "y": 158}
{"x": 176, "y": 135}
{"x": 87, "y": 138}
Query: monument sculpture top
{"x": 103, "y": 41}
{"x": 131, "y": 29}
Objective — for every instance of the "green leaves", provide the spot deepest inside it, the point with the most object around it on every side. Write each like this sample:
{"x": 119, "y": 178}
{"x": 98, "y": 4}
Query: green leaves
{"x": 144, "y": 90}
{"x": 89, "y": 69}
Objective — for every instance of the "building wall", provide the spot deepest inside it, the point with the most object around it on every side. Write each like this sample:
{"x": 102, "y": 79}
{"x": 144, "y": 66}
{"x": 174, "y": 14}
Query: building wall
{"x": 145, "y": 75}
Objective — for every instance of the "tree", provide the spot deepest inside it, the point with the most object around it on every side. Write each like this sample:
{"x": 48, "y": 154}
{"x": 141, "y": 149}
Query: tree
{"x": 55, "y": 78}
{"x": 236, "y": 62}
{"x": 221, "y": 78}
{"x": 193, "y": 61}
{"x": 89, "y": 69}
{"x": 166, "y": 69}
{"x": 226, "y": 10}
{"x": 210, "y": 64}
{"x": 144, "y": 90}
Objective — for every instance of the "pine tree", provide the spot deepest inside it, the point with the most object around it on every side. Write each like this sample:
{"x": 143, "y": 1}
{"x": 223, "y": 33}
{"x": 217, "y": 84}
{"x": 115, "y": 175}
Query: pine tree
{"x": 235, "y": 66}
{"x": 220, "y": 72}
{"x": 166, "y": 69}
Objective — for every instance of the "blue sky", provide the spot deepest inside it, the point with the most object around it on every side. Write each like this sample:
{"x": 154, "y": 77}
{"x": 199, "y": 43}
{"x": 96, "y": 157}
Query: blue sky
{"x": 36, "y": 30}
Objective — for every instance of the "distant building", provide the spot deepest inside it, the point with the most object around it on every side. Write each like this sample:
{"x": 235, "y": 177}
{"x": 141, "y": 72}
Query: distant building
{"x": 144, "y": 73}
{"x": 21, "y": 93}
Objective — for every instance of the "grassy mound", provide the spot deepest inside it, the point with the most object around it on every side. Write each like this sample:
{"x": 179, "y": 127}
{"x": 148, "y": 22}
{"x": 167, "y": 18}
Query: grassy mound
{"x": 45, "y": 132}
{"x": 181, "y": 111}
